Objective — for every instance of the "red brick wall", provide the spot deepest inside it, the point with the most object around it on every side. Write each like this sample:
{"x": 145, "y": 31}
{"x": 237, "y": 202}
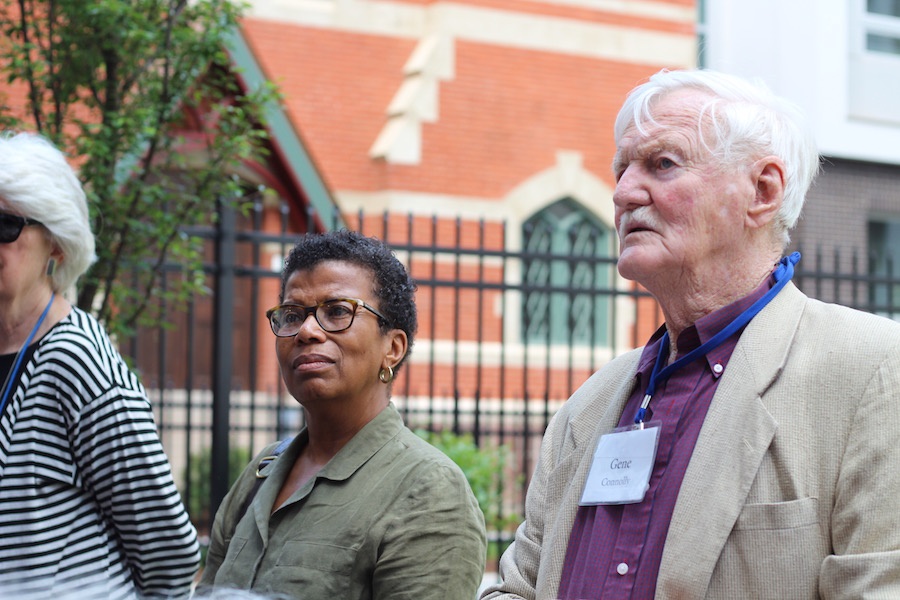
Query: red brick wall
{"x": 501, "y": 118}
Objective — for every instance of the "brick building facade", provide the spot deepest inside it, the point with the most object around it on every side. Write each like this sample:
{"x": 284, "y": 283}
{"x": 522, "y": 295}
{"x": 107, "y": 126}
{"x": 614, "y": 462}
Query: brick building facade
{"x": 498, "y": 111}
{"x": 480, "y": 125}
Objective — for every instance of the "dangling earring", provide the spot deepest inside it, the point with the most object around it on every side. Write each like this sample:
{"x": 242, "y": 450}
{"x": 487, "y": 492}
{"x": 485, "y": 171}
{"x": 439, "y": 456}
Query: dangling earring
{"x": 51, "y": 267}
{"x": 386, "y": 375}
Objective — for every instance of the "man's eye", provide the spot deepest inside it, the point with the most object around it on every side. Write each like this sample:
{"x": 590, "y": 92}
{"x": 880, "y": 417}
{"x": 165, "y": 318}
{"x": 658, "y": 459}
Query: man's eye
{"x": 665, "y": 163}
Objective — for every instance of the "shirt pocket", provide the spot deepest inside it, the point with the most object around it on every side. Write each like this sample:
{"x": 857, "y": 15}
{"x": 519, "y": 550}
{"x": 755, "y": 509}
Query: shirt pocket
{"x": 321, "y": 571}
{"x": 313, "y": 555}
{"x": 36, "y": 466}
{"x": 778, "y": 515}
{"x": 40, "y": 483}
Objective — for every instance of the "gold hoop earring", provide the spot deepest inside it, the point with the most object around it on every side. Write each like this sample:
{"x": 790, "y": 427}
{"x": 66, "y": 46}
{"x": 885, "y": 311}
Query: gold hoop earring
{"x": 386, "y": 375}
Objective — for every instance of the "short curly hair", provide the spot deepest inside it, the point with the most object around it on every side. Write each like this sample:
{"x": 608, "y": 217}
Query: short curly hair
{"x": 392, "y": 284}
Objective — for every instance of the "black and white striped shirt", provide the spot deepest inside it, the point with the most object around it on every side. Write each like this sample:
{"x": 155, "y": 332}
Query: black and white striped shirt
{"x": 88, "y": 507}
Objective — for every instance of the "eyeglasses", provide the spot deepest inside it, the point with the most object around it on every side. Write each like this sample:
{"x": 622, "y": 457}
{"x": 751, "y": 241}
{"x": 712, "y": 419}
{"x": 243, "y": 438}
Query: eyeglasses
{"x": 11, "y": 226}
{"x": 332, "y": 316}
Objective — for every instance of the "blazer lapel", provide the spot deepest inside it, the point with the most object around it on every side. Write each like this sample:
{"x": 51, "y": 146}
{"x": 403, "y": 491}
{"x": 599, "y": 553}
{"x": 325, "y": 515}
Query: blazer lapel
{"x": 734, "y": 438}
{"x": 597, "y": 408}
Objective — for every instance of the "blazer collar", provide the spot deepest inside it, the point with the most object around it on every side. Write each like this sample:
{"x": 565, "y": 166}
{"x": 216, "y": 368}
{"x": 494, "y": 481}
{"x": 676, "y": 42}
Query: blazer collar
{"x": 596, "y": 407}
{"x": 734, "y": 438}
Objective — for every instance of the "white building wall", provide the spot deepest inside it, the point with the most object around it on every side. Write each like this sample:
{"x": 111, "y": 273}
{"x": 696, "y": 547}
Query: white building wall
{"x": 813, "y": 52}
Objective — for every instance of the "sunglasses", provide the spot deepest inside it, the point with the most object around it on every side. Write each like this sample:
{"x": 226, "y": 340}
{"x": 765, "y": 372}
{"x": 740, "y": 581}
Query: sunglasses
{"x": 11, "y": 226}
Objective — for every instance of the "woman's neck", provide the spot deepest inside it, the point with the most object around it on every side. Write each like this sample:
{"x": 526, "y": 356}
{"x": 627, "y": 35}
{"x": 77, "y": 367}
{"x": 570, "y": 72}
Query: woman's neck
{"x": 18, "y": 320}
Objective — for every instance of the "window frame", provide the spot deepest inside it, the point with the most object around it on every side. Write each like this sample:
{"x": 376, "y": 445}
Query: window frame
{"x": 555, "y": 327}
{"x": 873, "y": 78}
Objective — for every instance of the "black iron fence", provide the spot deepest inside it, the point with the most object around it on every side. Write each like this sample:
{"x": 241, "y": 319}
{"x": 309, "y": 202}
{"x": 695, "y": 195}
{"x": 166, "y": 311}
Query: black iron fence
{"x": 505, "y": 336}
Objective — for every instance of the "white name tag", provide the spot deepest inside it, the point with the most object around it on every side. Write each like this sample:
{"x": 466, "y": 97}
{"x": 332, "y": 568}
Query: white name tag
{"x": 622, "y": 465}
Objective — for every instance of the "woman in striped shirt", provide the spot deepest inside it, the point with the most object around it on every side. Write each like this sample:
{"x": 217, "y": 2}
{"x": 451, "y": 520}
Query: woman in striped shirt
{"x": 88, "y": 507}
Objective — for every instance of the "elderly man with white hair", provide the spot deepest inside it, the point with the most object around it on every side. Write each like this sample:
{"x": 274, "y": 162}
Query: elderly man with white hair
{"x": 749, "y": 449}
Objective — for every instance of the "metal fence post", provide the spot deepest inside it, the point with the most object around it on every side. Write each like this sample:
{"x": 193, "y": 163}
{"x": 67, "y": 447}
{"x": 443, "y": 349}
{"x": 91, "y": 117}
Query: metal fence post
{"x": 223, "y": 327}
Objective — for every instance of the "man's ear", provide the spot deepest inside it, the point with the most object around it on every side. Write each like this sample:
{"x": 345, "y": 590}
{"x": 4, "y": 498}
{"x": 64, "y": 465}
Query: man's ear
{"x": 768, "y": 180}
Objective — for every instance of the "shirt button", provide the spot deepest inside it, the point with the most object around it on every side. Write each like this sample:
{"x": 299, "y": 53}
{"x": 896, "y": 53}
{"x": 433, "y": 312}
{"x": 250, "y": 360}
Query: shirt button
{"x": 718, "y": 368}
{"x": 622, "y": 568}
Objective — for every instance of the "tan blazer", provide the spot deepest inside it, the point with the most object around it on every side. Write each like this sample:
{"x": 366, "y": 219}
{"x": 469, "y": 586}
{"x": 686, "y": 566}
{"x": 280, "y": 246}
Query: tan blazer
{"x": 793, "y": 489}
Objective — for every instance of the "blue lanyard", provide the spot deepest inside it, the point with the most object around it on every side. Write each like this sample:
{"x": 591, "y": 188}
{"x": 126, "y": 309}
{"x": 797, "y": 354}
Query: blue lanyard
{"x": 783, "y": 273}
{"x": 15, "y": 368}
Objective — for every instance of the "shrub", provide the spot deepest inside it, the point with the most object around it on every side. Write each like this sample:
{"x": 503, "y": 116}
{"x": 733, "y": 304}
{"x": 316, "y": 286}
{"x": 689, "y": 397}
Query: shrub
{"x": 197, "y": 477}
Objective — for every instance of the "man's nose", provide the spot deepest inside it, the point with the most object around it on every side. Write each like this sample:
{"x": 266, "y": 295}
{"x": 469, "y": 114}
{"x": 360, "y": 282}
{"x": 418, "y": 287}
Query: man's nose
{"x": 631, "y": 190}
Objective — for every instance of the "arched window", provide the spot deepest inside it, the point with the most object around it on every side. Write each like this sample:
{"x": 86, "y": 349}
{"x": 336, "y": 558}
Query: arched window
{"x": 567, "y": 276}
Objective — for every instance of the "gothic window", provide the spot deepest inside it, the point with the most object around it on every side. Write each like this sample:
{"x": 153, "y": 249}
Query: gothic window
{"x": 567, "y": 276}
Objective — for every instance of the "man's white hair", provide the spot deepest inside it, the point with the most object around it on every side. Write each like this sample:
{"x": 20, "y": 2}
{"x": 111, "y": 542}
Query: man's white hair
{"x": 746, "y": 121}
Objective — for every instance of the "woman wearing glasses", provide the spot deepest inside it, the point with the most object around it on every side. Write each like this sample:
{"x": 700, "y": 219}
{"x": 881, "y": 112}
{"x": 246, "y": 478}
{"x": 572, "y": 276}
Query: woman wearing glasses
{"x": 88, "y": 508}
{"x": 357, "y": 506}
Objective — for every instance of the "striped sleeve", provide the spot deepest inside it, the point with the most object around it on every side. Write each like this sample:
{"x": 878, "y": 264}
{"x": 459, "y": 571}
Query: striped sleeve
{"x": 96, "y": 461}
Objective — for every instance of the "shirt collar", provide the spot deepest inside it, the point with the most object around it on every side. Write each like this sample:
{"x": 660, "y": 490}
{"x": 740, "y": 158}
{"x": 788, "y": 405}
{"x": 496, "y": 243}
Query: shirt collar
{"x": 701, "y": 331}
{"x": 367, "y": 441}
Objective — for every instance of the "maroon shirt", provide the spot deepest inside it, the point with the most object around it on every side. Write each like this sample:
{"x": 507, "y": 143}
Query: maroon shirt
{"x": 614, "y": 551}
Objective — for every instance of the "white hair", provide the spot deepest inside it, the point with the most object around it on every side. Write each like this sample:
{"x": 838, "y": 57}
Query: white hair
{"x": 748, "y": 122}
{"x": 37, "y": 182}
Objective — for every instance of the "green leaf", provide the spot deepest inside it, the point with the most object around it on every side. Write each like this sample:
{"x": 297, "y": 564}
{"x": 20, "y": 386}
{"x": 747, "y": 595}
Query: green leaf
{"x": 111, "y": 83}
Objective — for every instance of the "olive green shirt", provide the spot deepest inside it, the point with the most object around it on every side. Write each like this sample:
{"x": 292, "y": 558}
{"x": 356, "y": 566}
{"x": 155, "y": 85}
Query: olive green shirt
{"x": 389, "y": 516}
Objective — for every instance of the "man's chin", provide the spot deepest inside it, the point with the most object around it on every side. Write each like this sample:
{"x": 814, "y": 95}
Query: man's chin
{"x": 635, "y": 265}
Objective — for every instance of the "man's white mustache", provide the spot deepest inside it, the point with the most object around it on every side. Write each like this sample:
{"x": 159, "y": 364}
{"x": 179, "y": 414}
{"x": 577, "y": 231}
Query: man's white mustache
{"x": 641, "y": 217}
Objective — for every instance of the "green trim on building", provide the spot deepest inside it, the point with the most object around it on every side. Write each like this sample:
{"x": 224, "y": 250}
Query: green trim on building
{"x": 285, "y": 137}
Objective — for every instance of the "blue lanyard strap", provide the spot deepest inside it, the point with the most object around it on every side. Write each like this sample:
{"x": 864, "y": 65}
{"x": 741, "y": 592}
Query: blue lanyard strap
{"x": 783, "y": 273}
{"x": 10, "y": 380}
